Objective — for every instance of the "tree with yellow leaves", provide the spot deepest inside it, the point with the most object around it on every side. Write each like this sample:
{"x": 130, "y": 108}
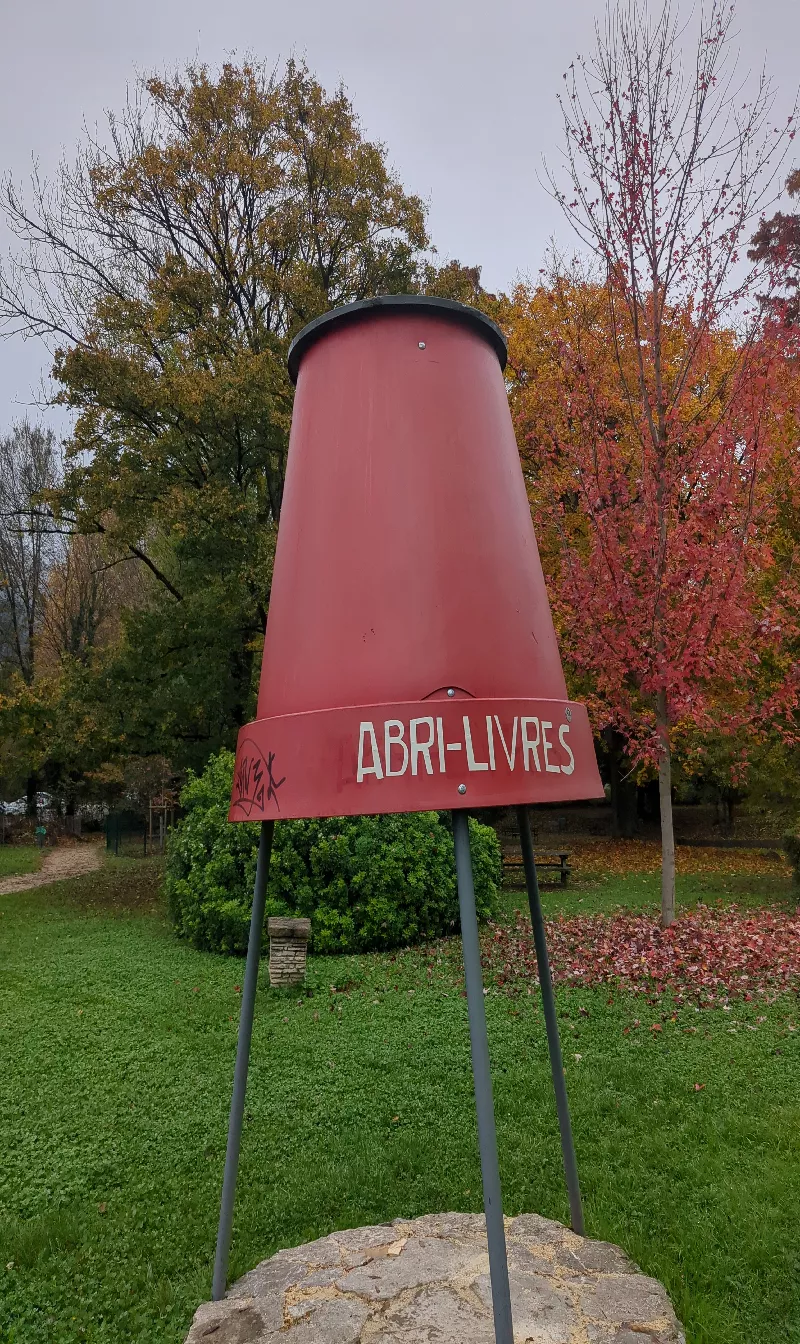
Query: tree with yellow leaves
{"x": 169, "y": 267}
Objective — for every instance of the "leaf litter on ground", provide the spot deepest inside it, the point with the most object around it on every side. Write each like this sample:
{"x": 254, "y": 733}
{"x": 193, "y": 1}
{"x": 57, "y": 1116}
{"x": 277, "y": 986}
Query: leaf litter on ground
{"x": 621, "y": 857}
{"x": 708, "y": 956}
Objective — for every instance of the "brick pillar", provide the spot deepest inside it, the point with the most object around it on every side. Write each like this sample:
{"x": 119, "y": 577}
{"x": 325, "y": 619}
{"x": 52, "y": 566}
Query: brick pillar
{"x": 288, "y": 944}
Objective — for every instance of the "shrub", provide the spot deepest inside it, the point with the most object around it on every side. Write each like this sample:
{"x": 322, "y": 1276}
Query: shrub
{"x": 791, "y": 844}
{"x": 364, "y": 882}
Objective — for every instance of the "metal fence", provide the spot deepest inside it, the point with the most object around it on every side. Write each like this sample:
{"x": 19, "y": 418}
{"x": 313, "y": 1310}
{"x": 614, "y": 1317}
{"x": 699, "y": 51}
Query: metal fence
{"x": 128, "y": 834}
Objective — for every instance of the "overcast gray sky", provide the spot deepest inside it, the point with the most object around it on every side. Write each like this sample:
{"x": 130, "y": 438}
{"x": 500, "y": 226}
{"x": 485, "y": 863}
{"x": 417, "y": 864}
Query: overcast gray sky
{"x": 463, "y": 93}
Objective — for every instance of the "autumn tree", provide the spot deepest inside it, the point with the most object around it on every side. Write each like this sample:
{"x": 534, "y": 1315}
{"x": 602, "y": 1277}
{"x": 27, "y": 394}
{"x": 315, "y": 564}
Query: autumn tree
{"x": 63, "y": 603}
{"x": 656, "y": 465}
{"x": 730, "y": 580}
{"x": 29, "y": 548}
{"x": 776, "y": 243}
{"x": 168, "y": 267}
{"x": 85, "y": 595}
{"x": 29, "y": 466}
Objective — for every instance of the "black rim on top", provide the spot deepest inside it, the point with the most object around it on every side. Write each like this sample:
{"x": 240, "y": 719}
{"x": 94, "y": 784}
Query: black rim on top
{"x": 389, "y": 303}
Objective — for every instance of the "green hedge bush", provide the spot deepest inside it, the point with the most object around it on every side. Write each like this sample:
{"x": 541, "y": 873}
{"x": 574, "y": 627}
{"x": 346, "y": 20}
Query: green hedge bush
{"x": 366, "y": 883}
{"x": 791, "y": 844}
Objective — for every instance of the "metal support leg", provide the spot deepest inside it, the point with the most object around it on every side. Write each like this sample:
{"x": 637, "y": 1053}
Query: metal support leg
{"x": 551, "y": 1022}
{"x": 220, "y": 1279}
{"x": 487, "y": 1137}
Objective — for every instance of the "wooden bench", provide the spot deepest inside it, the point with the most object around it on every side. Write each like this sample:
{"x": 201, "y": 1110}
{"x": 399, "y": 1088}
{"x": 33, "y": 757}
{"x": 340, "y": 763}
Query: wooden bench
{"x": 512, "y": 863}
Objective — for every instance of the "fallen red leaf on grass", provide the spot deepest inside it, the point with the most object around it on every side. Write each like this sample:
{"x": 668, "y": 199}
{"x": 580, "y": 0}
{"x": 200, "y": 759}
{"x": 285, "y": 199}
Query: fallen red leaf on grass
{"x": 708, "y": 956}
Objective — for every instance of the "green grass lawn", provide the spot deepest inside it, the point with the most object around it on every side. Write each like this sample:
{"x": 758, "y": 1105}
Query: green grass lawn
{"x": 642, "y": 891}
{"x": 18, "y": 859}
{"x": 117, "y": 1047}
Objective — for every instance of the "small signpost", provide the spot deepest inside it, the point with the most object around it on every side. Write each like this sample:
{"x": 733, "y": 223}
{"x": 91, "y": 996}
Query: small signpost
{"x": 410, "y": 661}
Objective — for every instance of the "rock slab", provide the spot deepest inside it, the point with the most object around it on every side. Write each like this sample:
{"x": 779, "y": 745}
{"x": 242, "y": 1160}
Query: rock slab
{"x": 427, "y": 1282}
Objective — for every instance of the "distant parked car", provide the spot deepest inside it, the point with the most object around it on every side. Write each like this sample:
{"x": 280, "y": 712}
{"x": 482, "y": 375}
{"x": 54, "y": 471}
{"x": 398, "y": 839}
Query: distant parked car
{"x": 17, "y": 808}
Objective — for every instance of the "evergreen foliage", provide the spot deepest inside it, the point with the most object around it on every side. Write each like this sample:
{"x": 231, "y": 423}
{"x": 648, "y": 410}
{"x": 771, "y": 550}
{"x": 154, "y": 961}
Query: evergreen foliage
{"x": 366, "y": 883}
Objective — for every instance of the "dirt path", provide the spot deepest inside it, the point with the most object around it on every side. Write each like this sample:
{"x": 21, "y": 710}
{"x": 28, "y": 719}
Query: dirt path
{"x": 72, "y": 861}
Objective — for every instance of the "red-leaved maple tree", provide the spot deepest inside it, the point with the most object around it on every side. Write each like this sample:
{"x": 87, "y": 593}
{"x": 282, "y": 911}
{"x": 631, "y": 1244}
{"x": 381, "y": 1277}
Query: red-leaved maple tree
{"x": 643, "y": 402}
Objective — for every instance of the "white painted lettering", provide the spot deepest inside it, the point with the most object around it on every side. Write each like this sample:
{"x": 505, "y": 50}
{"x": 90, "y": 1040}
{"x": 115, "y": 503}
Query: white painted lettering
{"x": 440, "y": 744}
{"x": 562, "y": 732}
{"x": 546, "y": 747}
{"x": 365, "y": 731}
{"x": 472, "y": 764}
{"x": 426, "y": 736}
{"x": 529, "y": 746}
{"x": 396, "y": 739}
{"x": 418, "y": 748}
{"x": 511, "y": 759}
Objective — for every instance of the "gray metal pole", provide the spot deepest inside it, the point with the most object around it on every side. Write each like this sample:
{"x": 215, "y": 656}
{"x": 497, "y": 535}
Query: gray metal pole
{"x": 487, "y": 1137}
{"x": 220, "y": 1280}
{"x": 551, "y": 1022}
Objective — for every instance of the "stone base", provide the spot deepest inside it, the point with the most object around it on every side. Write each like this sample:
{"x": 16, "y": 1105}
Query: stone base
{"x": 427, "y": 1282}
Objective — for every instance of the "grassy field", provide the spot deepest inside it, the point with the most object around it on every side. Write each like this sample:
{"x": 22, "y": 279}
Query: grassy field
{"x": 18, "y": 859}
{"x": 118, "y": 1047}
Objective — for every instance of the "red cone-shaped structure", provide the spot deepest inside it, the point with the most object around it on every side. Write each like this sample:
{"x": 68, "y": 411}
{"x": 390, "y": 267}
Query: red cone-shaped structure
{"x": 410, "y": 660}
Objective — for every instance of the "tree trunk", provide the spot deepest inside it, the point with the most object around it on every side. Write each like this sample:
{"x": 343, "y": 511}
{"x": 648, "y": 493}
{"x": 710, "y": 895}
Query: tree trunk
{"x": 665, "y": 800}
{"x": 31, "y": 799}
{"x": 622, "y": 785}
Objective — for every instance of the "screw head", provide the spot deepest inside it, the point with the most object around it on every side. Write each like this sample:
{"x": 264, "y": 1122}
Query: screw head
{"x": 462, "y": 788}
{"x": 422, "y": 345}
{"x": 451, "y": 692}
